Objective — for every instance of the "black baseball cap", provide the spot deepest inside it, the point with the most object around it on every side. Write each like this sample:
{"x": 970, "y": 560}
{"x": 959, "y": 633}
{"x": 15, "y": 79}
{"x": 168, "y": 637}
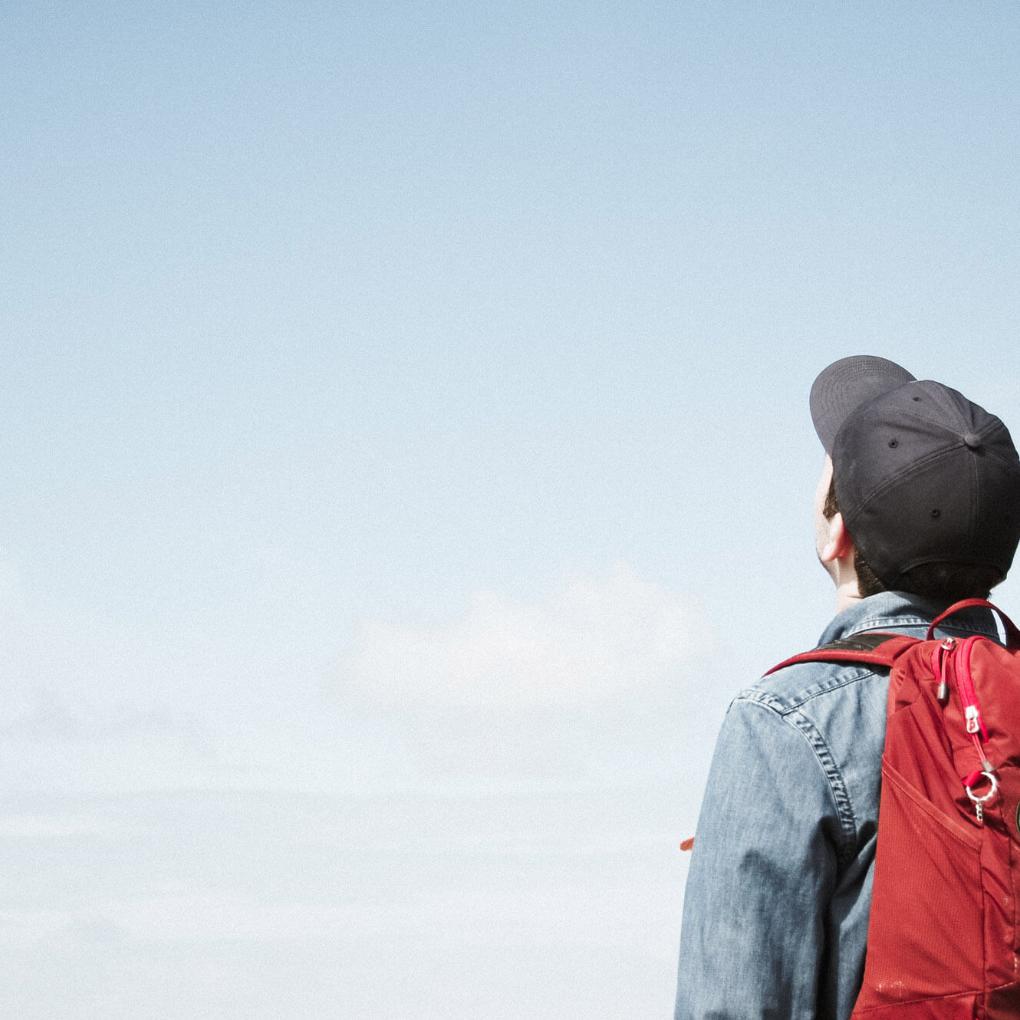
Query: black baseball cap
{"x": 845, "y": 385}
{"x": 922, "y": 473}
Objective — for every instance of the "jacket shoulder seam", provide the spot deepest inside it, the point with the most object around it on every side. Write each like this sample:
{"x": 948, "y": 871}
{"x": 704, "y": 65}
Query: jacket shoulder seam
{"x": 843, "y": 675}
{"x": 826, "y": 763}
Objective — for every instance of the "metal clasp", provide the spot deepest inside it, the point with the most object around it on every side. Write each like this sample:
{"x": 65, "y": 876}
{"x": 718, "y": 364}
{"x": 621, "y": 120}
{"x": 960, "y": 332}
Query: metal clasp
{"x": 979, "y": 802}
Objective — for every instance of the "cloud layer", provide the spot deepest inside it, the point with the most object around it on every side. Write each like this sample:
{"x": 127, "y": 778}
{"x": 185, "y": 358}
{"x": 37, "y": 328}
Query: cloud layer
{"x": 593, "y": 638}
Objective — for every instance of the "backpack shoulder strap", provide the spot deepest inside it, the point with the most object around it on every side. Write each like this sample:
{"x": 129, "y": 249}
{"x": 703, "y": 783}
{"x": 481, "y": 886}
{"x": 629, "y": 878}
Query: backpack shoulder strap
{"x": 872, "y": 648}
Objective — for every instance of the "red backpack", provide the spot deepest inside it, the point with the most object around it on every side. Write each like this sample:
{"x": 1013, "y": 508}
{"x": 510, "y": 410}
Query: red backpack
{"x": 943, "y": 935}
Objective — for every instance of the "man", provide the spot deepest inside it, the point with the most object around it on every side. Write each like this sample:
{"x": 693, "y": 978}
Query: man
{"x": 918, "y": 506}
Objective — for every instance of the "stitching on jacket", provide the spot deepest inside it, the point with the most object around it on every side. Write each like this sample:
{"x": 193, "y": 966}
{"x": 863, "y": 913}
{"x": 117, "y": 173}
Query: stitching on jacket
{"x": 837, "y": 785}
{"x": 841, "y": 676}
{"x": 887, "y": 622}
{"x": 826, "y": 762}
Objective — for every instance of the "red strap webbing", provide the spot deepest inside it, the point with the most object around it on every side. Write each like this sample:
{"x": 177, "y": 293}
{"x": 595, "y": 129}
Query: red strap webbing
{"x": 873, "y": 648}
{"x": 1012, "y": 634}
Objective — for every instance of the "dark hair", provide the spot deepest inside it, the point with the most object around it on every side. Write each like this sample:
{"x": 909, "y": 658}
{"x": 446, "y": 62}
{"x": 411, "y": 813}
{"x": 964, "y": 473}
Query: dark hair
{"x": 948, "y": 582}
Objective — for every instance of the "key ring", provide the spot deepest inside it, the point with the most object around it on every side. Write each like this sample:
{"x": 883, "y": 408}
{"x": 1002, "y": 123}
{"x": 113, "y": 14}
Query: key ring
{"x": 984, "y": 798}
{"x": 979, "y": 802}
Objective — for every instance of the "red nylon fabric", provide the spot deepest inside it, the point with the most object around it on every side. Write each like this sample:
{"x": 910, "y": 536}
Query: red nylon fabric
{"x": 942, "y": 935}
{"x": 943, "y": 940}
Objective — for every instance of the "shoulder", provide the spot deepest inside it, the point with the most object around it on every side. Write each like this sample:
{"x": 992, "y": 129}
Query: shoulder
{"x": 795, "y": 687}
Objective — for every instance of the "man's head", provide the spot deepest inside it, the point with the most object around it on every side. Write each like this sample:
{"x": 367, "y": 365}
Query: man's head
{"x": 925, "y": 484}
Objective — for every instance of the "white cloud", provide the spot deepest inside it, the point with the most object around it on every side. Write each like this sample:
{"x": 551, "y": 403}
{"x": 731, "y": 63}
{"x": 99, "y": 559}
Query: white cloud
{"x": 594, "y": 638}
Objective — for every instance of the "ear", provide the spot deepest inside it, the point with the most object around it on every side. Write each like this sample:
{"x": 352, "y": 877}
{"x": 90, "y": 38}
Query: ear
{"x": 838, "y": 544}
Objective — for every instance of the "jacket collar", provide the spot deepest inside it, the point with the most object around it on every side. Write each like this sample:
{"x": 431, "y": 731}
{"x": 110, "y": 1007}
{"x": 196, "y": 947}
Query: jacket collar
{"x": 894, "y": 610}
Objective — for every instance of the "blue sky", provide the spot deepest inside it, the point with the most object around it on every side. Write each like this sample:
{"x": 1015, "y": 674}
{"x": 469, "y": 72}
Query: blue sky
{"x": 405, "y": 446}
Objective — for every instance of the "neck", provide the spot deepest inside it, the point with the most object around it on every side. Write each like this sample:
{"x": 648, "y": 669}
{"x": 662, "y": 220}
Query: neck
{"x": 844, "y": 576}
{"x": 847, "y": 595}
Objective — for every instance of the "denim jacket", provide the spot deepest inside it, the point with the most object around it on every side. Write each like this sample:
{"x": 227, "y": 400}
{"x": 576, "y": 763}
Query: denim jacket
{"x": 776, "y": 905}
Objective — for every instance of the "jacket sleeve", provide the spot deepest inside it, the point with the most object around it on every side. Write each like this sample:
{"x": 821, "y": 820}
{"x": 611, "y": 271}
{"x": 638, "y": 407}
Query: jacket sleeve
{"x": 761, "y": 874}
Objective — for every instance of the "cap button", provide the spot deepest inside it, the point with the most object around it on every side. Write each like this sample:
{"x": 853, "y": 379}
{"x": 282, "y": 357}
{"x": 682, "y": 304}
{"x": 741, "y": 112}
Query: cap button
{"x": 973, "y": 440}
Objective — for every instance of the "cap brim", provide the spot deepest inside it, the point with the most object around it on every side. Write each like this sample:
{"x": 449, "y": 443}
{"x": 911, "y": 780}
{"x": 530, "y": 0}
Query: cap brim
{"x": 845, "y": 385}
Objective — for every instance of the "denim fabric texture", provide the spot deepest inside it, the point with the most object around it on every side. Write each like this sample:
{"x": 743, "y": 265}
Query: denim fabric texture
{"x": 776, "y": 905}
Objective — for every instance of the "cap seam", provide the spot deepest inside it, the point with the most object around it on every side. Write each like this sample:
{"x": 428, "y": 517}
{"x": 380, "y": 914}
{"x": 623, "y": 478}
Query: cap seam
{"x": 908, "y": 472}
{"x": 980, "y": 433}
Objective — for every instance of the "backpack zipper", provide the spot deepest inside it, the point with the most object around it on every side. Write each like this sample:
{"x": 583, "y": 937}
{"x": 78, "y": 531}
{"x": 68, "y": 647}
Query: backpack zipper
{"x": 957, "y": 660}
{"x": 968, "y": 694}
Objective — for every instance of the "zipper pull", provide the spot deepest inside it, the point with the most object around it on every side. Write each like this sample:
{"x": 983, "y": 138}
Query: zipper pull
{"x": 942, "y": 668}
{"x": 970, "y": 713}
